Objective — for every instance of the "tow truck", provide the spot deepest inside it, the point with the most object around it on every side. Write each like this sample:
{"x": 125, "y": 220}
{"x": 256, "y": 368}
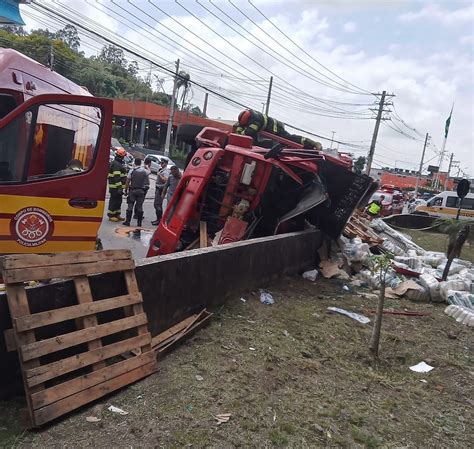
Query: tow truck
{"x": 45, "y": 122}
{"x": 242, "y": 190}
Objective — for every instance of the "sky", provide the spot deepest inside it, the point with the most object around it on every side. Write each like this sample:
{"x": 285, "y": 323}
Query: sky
{"x": 327, "y": 58}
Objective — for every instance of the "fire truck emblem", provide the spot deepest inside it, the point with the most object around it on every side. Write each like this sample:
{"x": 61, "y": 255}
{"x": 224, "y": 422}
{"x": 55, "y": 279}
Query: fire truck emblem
{"x": 32, "y": 226}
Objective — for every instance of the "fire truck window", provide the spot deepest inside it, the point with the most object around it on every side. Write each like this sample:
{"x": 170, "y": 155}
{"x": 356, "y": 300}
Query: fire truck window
{"x": 7, "y": 104}
{"x": 64, "y": 142}
{"x": 14, "y": 138}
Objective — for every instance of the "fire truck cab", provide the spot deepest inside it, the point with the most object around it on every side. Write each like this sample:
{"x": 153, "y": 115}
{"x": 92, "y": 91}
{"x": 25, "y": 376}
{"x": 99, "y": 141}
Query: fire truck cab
{"x": 54, "y": 152}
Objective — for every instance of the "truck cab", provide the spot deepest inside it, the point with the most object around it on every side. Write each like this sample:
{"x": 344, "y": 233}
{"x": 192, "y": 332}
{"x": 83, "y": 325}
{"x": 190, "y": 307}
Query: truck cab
{"x": 54, "y": 150}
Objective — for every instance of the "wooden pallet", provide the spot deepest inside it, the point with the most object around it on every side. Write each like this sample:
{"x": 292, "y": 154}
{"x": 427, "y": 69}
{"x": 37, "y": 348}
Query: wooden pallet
{"x": 76, "y": 375}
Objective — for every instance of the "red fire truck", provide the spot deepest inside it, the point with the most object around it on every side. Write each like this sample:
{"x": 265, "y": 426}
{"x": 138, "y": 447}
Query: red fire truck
{"x": 45, "y": 122}
{"x": 242, "y": 190}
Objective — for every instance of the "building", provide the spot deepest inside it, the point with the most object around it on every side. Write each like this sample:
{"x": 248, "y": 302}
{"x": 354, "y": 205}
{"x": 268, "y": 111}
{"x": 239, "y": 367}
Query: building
{"x": 406, "y": 179}
{"x": 146, "y": 123}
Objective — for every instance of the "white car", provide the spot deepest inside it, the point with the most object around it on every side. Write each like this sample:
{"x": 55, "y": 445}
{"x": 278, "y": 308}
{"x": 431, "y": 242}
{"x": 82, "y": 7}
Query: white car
{"x": 155, "y": 161}
{"x": 413, "y": 204}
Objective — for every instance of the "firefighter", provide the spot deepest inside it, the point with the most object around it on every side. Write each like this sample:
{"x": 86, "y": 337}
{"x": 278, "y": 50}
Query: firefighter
{"x": 374, "y": 208}
{"x": 136, "y": 187}
{"x": 251, "y": 122}
{"x": 117, "y": 179}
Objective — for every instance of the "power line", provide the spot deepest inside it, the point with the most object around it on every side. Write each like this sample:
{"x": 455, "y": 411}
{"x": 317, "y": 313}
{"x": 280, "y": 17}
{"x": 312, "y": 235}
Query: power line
{"x": 362, "y": 91}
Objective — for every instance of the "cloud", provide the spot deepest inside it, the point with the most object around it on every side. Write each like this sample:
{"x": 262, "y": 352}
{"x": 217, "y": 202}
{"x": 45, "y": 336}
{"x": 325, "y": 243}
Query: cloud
{"x": 350, "y": 27}
{"x": 467, "y": 40}
{"x": 443, "y": 16}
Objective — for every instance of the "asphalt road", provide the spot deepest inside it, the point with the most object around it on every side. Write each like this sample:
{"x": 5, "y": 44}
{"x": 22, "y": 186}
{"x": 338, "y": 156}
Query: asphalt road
{"x": 115, "y": 235}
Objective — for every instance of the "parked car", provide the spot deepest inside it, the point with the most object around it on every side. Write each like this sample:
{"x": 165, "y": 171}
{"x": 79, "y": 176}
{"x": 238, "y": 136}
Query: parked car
{"x": 414, "y": 203}
{"x": 446, "y": 204}
{"x": 155, "y": 161}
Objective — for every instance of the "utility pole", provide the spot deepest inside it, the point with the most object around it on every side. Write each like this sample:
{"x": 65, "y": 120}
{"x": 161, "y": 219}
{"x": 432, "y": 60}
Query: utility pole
{"x": 132, "y": 124}
{"x": 204, "y": 109}
{"x": 449, "y": 170}
{"x": 421, "y": 164}
{"x": 170, "y": 119}
{"x": 267, "y": 107}
{"x": 376, "y": 132}
{"x": 332, "y": 138}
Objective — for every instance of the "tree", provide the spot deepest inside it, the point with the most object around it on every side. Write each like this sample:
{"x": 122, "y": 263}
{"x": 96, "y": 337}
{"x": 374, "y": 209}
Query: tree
{"x": 133, "y": 68}
{"x": 359, "y": 164}
{"x": 380, "y": 266}
{"x": 13, "y": 29}
{"x": 196, "y": 110}
{"x": 112, "y": 55}
{"x": 69, "y": 36}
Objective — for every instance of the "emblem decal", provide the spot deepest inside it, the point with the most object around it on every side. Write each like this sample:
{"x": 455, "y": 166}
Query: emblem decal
{"x": 32, "y": 226}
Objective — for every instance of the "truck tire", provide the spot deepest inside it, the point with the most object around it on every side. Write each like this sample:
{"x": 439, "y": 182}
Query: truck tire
{"x": 188, "y": 133}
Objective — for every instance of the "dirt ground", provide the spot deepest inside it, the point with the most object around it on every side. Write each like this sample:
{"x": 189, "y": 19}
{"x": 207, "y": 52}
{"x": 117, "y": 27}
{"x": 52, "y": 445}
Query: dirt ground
{"x": 291, "y": 375}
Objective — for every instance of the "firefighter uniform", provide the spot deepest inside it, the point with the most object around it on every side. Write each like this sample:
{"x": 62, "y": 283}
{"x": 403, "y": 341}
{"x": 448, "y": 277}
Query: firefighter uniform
{"x": 138, "y": 184}
{"x": 117, "y": 178}
{"x": 252, "y": 122}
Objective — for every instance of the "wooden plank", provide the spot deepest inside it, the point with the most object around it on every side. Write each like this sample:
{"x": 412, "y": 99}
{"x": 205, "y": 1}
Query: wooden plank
{"x": 157, "y": 339}
{"x": 84, "y": 297}
{"x": 66, "y": 270}
{"x": 75, "y": 401}
{"x": 43, "y": 373}
{"x": 65, "y": 389}
{"x": 36, "y": 320}
{"x": 18, "y": 305}
{"x": 10, "y": 342}
{"x": 68, "y": 258}
{"x": 183, "y": 332}
{"x": 40, "y": 348}
{"x": 132, "y": 287}
{"x": 203, "y": 243}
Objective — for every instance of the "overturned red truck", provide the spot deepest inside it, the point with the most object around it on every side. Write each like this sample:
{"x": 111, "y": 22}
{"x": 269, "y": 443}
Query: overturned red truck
{"x": 246, "y": 186}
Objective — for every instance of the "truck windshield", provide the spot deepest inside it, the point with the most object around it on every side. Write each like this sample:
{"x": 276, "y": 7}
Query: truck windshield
{"x": 50, "y": 140}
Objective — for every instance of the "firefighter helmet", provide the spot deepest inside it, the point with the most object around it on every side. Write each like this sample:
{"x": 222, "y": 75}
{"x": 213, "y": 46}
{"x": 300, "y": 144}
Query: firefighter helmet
{"x": 244, "y": 117}
{"x": 120, "y": 152}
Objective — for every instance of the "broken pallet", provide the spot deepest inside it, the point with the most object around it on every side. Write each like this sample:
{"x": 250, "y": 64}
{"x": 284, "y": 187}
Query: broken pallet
{"x": 67, "y": 370}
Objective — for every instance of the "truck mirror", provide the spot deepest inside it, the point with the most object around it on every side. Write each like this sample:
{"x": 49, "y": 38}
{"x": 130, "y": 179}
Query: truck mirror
{"x": 463, "y": 188}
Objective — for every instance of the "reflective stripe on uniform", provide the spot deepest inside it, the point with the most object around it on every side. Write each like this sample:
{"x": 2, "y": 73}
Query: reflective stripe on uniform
{"x": 116, "y": 173}
{"x": 275, "y": 127}
{"x": 254, "y": 127}
{"x": 374, "y": 209}
{"x": 265, "y": 121}
{"x": 117, "y": 185}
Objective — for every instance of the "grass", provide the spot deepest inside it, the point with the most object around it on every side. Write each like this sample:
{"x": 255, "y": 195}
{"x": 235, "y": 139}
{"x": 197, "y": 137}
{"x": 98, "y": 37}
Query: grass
{"x": 439, "y": 242}
{"x": 309, "y": 382}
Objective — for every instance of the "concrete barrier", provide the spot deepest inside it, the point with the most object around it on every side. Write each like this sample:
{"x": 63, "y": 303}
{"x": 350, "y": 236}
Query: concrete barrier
{"x": 179, "y": 284}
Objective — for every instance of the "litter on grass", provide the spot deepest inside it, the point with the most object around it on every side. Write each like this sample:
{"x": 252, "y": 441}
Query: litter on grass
{"x": 266, "y": 297}
{"x": 114, "y": 409}
{"x": 355, "y": 316}
{"x": 92, "y": 419}
{"x": 222, "y": 418}
{"x": 421, "y": 367}
{"x": 310, "y": 275}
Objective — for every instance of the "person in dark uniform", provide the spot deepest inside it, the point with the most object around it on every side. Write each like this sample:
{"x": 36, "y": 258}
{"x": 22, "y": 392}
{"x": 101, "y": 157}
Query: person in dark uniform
{"x": 251, "y": 122}
{"x": 136, "y": 186}
{"x": 117, "y": 178}
{"x": 161, "y": 178}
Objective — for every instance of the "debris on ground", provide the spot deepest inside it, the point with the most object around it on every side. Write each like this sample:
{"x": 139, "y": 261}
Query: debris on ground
{"x": 266, "y": 297}
{"x": 462, "y": 314}
{"x": 92, "y": 419}
{"x": 222, "y": 418}
{"x": 355, "y": 316}
{"x": 310, "y": 275}
{"x": 118, "y": 410}
{"x": 415, "y": 273}
{"x": 421, "y": 367}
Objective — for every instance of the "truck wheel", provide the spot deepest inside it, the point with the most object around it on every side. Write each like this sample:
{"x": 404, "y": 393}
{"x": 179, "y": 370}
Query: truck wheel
{"x": 188, "y": 133}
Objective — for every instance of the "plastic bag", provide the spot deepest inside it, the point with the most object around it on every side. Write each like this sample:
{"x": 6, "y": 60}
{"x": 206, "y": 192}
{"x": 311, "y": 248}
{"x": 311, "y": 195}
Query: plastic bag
{"x": 266, "y": 298}
{"x": 310, "y": 275}
{"x": 432, "y": 285}
{"x": 464, "y": 299}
